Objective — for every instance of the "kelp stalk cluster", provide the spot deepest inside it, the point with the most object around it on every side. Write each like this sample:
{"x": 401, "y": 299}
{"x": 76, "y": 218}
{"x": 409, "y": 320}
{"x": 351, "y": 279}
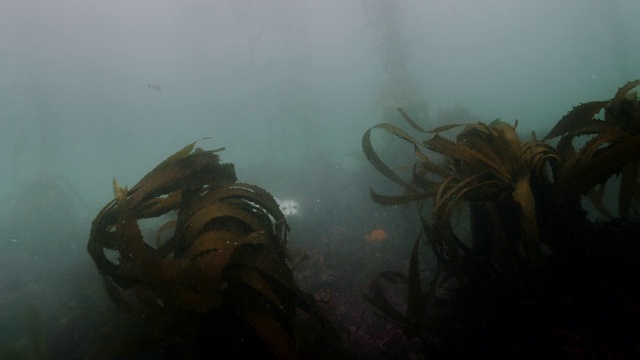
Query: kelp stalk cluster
{"x": 225, "y": 248}
{"x": 523, "y": 201}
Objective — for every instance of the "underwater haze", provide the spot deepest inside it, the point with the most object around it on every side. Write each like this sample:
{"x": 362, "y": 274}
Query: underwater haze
{"x": 278, "y": 81}
{"x": 91, "y": 90}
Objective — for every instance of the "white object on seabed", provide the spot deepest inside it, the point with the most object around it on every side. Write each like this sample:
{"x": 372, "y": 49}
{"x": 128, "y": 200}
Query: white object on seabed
{"x": 288, "y": 207}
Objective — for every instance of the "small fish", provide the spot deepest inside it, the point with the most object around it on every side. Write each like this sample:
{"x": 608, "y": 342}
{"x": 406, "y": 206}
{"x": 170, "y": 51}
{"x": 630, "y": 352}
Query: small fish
{"x": 155, "y": 87}
{"x": 376, "y": 236}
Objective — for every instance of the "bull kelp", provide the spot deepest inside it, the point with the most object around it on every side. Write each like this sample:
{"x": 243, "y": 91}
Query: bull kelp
{"x": 531, "y": 254}
{"x": 216, "y": 274}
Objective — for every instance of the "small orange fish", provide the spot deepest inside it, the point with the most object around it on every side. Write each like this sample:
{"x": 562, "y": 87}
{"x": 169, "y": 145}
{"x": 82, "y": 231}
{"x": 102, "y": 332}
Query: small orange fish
{"x": 376, "y": 236}
{"x": 155, "y": 87}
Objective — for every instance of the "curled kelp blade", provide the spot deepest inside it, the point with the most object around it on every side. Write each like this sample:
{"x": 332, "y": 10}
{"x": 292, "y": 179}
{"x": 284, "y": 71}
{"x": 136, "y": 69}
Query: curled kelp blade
{"x": 259, "y": 200}
{"x": 155, "y": 207}
{"x": 536, "y": 154}
{"x": 375, "y": 160}
{"x": 411, "y": 319}
{"x": 263, "y": 273}
{"x": 409, "y": 120}
{"x": 601, "y": 166}
{"x": 622, "y": 93}
{"x": 131, "y": 244}
{"x": 579, "y": 117}
{"x": 613, "y": 149}
{"x": 581, "y": 120}
{"x": 602, "y": 156}
{"x": 487, "y": 162}
{"x": 379, "y": 299}
{"x": 487, "y": 142}
{"x": 116, "y": 228}
{"x": 414, "y": 313}
{"x": 420, "y": 187}
{"x": 194, "y": 169}
{"x": 428, "y": 166}
{"x": 468, "y": 156}
{"x": 247, "y": 208}
{"x": 169, "y": 226}
{"x": 216, "y": 216}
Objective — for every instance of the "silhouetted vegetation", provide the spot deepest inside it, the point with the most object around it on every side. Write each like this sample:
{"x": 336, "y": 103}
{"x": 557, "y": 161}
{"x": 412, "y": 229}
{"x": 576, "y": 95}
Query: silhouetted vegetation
{"x": 215, "y": 279}
{"x": 520, "y": 270}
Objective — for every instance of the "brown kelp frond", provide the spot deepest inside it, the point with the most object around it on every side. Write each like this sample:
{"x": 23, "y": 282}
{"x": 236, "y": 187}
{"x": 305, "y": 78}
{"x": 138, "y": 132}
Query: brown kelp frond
{"x": 501, "y": 213}
{"x": 396, "y": 200}
{"x": 377, "y": 297}
{"x": 624, "y": 94}
{"x": 228, "y": 245}
{"x": 467, "y": 158}
{"x": 538, "y": 154}
{"x": 612, "y": 148}
{"x": 187, "y": 166}
{"x": 412, "y": 318}
{"x": 377, "y": 162}
{"x": 415, "y": 318}
{"x": 410, "y": 121}
{"x": 579, "y": 118}
{"x": 487, "y": 163}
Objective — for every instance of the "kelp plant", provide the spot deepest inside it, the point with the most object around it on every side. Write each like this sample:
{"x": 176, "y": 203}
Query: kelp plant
{"x": 520, "y": 198}
{"x": 612, "y": 149}
{"x": 227, "y": 250}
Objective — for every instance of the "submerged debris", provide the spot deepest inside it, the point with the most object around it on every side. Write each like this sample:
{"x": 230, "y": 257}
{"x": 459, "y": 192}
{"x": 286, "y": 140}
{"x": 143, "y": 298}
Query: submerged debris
{"x": 155, "y": 87}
